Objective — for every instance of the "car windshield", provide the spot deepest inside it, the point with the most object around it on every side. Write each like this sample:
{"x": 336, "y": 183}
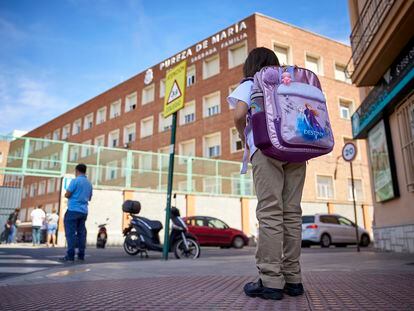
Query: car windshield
{"x": 308, "y": 219}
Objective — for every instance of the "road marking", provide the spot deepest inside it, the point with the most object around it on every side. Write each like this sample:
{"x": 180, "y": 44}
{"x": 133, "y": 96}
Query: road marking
{"x": 67, "y": 272}
{"x": 30, "y": 261}
{"x": 19, "y": 270}
{"x": 14, "y": 256}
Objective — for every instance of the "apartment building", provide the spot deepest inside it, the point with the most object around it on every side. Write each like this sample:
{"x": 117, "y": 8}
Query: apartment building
{"x": 129, "y": 115}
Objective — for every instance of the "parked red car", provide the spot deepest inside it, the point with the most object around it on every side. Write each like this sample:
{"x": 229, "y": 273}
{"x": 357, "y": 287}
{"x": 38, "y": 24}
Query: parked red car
{"x": 214, "y": 232}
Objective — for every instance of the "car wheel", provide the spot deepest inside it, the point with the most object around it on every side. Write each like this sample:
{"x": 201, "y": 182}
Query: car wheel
{"x": 365, "y": 240}
{"x": 238, "y": 242}
{"x": 325, "y": 240}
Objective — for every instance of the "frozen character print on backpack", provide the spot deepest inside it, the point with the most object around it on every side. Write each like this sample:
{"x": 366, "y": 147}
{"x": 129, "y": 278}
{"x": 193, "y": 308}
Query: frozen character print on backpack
{"x": 308, "y": 125}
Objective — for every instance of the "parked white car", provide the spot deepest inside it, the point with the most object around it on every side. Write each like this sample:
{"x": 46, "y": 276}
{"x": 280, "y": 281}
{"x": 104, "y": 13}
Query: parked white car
{"x": 331, "y": 229}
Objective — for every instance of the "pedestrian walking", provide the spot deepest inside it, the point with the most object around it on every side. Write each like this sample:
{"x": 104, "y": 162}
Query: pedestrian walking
{"x": 11, "y": 226}
{"x": 279, "y": 188}
{"x": 79, "y": 193}
{"x": 38, "y": 217}
{"x": 43, "y": 229}
{"x": 52, "y": 222}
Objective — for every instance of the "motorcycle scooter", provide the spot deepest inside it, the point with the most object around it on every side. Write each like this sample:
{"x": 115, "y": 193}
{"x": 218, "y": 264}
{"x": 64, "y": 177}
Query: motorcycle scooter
{"x": 102, "y": 235}
{"x": 142, "y": 235}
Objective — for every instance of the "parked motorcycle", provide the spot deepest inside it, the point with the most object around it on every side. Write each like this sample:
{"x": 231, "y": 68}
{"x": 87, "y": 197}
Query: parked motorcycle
{"x": 142, "y": 234}
{"x": 102, "y": 235}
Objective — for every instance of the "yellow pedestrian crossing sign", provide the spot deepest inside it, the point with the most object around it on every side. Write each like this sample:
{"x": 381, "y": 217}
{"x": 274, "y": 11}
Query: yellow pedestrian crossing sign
{"x": 175, "y": 89}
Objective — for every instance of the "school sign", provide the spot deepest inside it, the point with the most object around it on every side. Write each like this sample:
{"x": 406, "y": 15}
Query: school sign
{"x": 175, "y": 89}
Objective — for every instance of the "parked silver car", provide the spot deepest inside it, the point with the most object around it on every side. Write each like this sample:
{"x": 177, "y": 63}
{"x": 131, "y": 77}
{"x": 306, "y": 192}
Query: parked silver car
{"x": 331, "y": 229}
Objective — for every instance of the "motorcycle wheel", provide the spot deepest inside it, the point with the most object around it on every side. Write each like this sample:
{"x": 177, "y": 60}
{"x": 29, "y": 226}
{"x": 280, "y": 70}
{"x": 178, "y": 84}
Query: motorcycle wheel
{"x": 193, "y": 249}
{"x": 128, "y": 247}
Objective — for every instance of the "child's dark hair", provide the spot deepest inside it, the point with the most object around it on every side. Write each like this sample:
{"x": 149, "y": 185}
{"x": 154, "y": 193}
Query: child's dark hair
{"x": 81, "y": 168}
{"x": 257, "y": 59}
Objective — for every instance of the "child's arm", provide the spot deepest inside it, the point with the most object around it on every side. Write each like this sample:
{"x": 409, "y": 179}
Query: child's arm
{"x": 240, "y": 113}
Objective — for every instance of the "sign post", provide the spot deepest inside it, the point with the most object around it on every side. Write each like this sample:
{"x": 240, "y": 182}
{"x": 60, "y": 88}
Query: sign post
{"x": 349, "y": 153}
{"x": 174, "y": 101}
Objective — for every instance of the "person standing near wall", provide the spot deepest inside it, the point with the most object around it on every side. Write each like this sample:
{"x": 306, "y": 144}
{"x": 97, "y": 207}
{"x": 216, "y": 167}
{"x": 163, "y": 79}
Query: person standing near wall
{"x": 38, "y": 217}
{"x": 11, "y": 226}
{"x": 79, "y": 193}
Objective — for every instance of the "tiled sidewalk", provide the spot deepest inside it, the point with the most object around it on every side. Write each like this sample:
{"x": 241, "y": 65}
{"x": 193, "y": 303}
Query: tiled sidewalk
{"x": 325, "y": 290}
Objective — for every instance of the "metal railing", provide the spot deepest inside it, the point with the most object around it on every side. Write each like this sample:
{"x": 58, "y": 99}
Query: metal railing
{"x": 369, "y": 21}
{"x": 126, "y": 169}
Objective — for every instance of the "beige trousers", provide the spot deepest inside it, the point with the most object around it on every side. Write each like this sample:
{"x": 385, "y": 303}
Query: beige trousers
{"x": 279, "y": 188}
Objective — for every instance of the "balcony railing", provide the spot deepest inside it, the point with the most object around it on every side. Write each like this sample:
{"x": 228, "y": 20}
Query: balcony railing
{"x": 370, "y": 20}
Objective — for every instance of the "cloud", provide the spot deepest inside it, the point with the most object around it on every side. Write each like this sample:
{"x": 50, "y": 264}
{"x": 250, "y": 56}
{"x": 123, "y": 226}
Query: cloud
{"x": 26, "y": 102}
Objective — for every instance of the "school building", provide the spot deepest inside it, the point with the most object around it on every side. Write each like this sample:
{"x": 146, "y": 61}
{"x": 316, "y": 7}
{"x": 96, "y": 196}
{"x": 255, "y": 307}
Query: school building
{"x": 129, "y": 116}
{"x": 382, "y": 65}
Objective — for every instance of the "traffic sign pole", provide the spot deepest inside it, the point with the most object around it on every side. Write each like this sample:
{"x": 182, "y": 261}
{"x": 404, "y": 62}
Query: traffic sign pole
{"x": 169, "y": 188}
{"x": 349, "y": 152}
{"x": 355, "y": 210}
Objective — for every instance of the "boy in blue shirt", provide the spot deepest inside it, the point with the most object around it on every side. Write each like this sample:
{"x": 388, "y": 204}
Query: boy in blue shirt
{"x": 79, "y": 193}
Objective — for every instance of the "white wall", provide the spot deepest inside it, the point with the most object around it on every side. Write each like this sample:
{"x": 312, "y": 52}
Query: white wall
{"x": 226, "y": 209}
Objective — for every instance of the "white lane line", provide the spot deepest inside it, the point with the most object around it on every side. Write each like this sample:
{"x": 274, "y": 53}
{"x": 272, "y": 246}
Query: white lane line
{"x": 19, "y": 269}
{"x": 14, "y": 256}
{"x": 30, "y": 261}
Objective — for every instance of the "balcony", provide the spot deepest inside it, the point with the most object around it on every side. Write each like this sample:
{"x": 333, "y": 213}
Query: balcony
{"x": 381, "y": 30}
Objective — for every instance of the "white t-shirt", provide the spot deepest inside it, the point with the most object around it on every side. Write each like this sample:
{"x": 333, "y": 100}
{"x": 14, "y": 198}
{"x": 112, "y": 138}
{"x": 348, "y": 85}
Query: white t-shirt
{"x": 52, "y": 219}
{"x": 37, "y": 215}
{"x": 242, "y": 93}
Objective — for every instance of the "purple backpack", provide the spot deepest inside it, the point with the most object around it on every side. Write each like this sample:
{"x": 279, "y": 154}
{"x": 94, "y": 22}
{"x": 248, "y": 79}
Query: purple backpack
{"x": 288, "y": 115}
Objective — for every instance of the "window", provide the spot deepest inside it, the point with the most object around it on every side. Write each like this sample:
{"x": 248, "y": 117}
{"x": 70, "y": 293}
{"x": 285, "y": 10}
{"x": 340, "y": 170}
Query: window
{"x": 405, "y": 115}
{"x": 212, "y": 145}
{"x": 65, "y": 131}
{"x": 237, "y": 181}
{"x": 185, "y": 186}
{"x": 113, "y": 139}
{"x": 129, "y": 133}
{"x": 231, "y": 89}
{"x": 344, "y": 221}
{"x": 212, "y": 185}
{"x": 359, "y": 194}
{"x": 191, "y": 75}
{"x": 145, "y": 162}
{"x": 187, "y": 114}
{"x": 100, "y": 141}
{"x": 76, "y": 127}
{"x": 308, "y": 219}
{"x": 211, "y": 104}
{"x": 147, "y": 127}
{"x": 164, "y": 157}
{"x": 88, "y": 122}
{"x": 340, "y": 73}
{"x": 237, "y": 54}
{"x": 325, "y": 187}
{"x": 131, "y": 102}
{"x": 115, "y": 110}
{"x": 111, "y": 170}
{"x": 51, "y": 185}
{"x": 33, "y": 188}
{"x": 218, "y": 224}
{"x": 148, "y": 94}
{"x": 235, "y": 141}
{"x": 187, "y": 149}
{"x": 345, "y": 108}
{"x": 313, "y": 63}
{"x": 42, "y": 187}
{"x": 162, "y": 88}
{"x": 56, "y": 134}
{"x": 101, "y": 115}
{"x": 86, "y": 150}
{"x": 282, "y": 53}
{"x": 164, "y": 124}
{"x": 328, "y": 219}
{"x": 73, "y": 153}
{"x": 211, "y": 66}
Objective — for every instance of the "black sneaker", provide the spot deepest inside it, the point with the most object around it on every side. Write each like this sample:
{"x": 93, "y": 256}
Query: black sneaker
{"x": 81, "y": 258}
{"x": 67, "y": 259}
{"x": 256, "y": 289}
{"x": 294, "y": 289}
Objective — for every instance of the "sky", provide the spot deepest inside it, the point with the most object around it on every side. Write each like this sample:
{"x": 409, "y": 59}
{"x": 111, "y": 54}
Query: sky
{"x": 55, "y": 55}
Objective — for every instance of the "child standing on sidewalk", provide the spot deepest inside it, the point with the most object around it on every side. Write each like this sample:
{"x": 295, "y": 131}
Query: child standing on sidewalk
{"x": 279, "y": 188}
